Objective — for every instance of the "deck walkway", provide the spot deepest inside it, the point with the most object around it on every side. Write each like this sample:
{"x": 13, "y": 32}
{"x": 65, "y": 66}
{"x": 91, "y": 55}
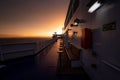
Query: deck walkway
{"x": 40, "y": 67}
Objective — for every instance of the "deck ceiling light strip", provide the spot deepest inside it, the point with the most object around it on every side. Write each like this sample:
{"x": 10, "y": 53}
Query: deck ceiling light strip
{"x": 95, "y": 6}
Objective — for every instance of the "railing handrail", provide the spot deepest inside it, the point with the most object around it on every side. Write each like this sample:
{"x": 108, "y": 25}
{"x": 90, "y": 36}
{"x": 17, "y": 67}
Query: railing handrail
{"x": 49, "y": 43}
{"x": 111, "y": 65}
{"x": 18, "y": 51}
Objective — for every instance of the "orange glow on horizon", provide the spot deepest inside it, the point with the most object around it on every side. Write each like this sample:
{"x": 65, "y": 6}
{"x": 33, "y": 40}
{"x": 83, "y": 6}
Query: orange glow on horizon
{"x": 41, "y": 20}
{"x": 35, "y": 33}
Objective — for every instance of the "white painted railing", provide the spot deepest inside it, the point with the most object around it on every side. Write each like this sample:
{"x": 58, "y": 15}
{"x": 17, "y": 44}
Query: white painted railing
{"x": 43, "y": 44}
{"x": 11, "y": 51}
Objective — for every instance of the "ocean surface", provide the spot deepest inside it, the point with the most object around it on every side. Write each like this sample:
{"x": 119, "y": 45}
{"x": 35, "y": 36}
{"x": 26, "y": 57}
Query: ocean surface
{"x": 22, "y": 40}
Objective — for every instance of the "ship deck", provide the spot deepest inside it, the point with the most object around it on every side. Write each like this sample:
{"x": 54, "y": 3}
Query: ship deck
{"x": 44, "y": 65}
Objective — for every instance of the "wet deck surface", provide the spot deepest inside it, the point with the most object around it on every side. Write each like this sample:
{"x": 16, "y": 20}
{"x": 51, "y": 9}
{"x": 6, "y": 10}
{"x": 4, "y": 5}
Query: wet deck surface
{"x": 40, "y": 67}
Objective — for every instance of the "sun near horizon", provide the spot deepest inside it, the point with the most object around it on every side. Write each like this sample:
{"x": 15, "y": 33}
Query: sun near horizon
{"x": 45, "y": 34}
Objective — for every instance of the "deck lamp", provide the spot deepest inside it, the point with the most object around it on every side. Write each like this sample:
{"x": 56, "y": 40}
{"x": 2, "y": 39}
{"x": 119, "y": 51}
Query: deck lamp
{"x": 95, "y": 6}
{"x": 77, "y": 22}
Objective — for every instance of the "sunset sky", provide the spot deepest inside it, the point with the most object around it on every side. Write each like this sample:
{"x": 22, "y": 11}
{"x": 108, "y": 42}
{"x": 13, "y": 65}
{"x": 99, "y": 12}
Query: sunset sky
{"x": 32, "y": 18}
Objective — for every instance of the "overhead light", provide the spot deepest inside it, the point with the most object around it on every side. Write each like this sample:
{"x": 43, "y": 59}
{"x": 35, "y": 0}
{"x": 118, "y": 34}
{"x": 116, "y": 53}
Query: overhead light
{"x": 95, "y": 6}
{"x": 77, "y": 22}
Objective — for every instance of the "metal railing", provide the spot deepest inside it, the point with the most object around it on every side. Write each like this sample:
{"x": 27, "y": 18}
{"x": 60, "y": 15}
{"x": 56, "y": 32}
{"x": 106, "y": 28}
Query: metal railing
{"x": 111, "y": 65}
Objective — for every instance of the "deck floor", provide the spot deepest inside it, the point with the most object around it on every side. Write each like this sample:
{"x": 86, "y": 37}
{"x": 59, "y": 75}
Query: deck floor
{"x": 40, "y": 67}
